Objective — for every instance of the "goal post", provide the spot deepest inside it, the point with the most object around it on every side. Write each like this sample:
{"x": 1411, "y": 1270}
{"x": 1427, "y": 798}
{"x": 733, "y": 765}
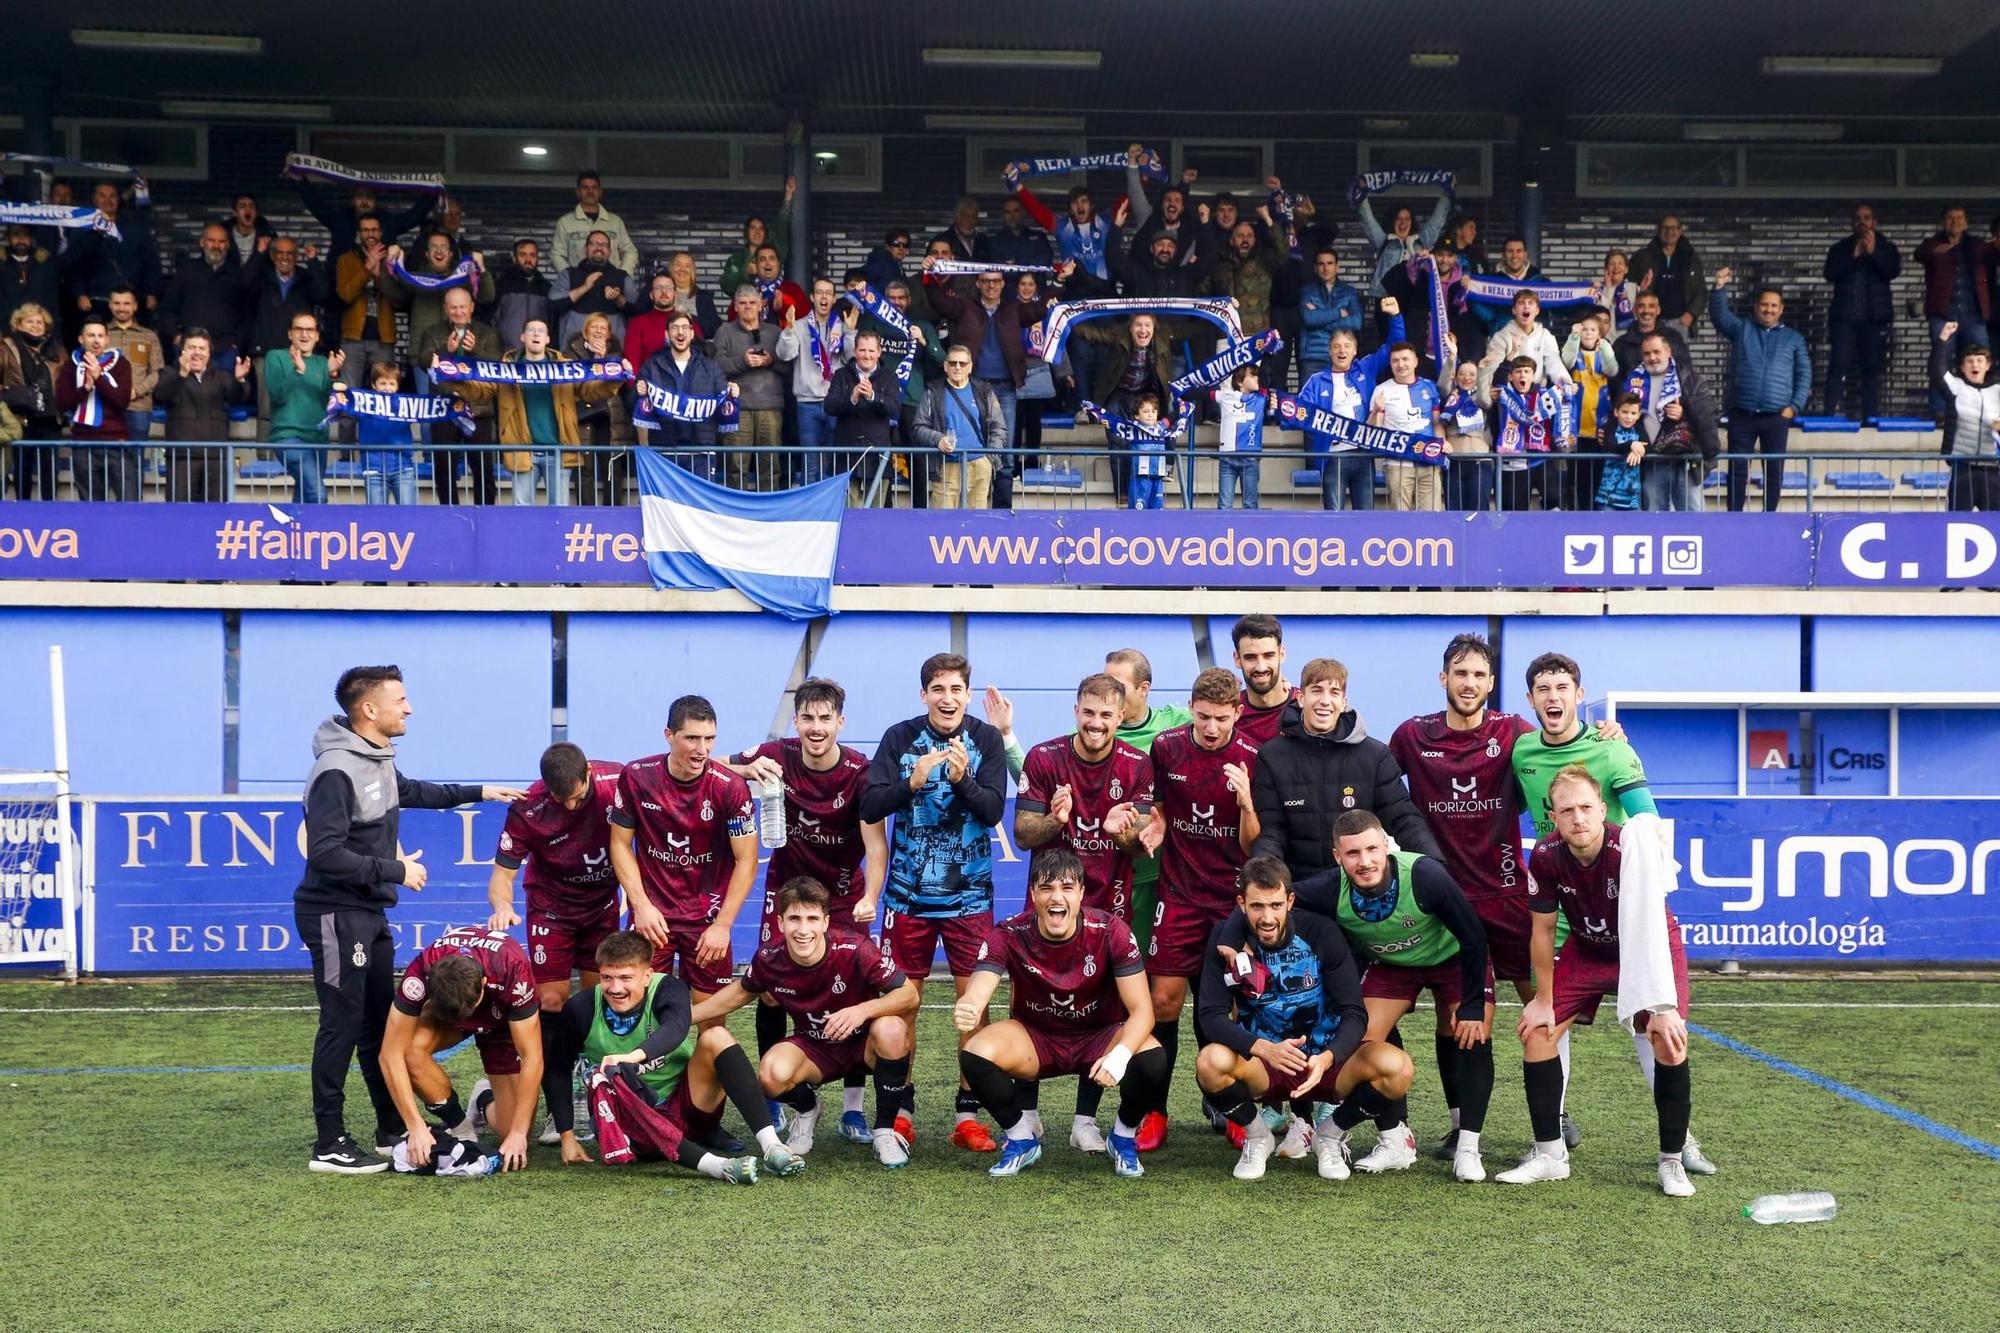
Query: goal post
{"x": 38, "y": 880}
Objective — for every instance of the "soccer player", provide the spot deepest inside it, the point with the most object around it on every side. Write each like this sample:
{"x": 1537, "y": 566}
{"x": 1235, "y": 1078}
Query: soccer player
{"x": 657, "y": 1083}
{"x": 562, "y": 831}
{"x": 1144, "y": 720}
{"x": 851, "y": 1008}
{"x": 1555, "y": 690}
{"x": 825, "y": 839}
{"x": 477, "y": 982}
{"x": 943, "y": 775}
{"x": 1078, "y": 1006}
{"x": 1202, "y": 808}
{"x": 1578, "y": 871}
{"x": 1286, "y": 1020}
{"x": 1260, "y": 656}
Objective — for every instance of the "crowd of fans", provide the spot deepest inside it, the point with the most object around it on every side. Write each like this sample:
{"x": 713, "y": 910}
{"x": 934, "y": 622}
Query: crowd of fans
{"x": 948, "y": 392}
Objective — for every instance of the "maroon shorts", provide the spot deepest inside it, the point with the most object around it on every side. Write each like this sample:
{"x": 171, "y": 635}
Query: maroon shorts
{"x": 496, "y": 1050}
{"x": 681, "y": 943}
{"x": 1584, "y": 976}
{"x": 1072, "y": 1051}
{"x": 833, "y": 1059}
{"x": 913, "y": 941}
{"x": 1384, "y": 981}
{"x": 1509, "y": 927}
{"x": 1285, "y": 1086}
{"x": 556, "y": 945}
{"x": 1180, "y": 938}
{"x": 631, "y": 1128}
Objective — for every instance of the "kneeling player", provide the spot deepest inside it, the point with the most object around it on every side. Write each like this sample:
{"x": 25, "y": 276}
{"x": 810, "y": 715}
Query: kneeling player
{"x": 851, "y": 1008}
{"x": 1579, "y": 870}
{"x": 1079, "y": 1006}
{"x": 476, "y": 982}
{"x": 658, "y": 1085}
{"x": 1287, "y": 1019}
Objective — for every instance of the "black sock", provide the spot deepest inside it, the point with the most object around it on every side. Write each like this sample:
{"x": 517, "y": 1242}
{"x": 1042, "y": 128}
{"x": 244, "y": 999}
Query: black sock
{"x": 556, "y": 1083}
{"x": 1168, "y": 1034}
{"x": 739, "y": 1084}
{"x": 803, "y": 1098}
{"x": 449, "y": 1112}
{"x": 857, "y": 1077}
{"x": 1446, "y": 1047}
{"x": 1028, "y": 1094}
{"x": 1544, "y": 1081}
{"x": 990, "y": 1086}
{"x": 1364, "y": 1103}
{"x": 1475, "y": 1085}
{"x": 1139, "y": 1090}
{"x": 689, "y": 1155}
{"x": 969, "y": 1100}
{"x": 1089, "y": 1096}
{"x": 770, "y": 1027}
{"x": 892, "y": 1079}
{"x": 1393, "y": 1113}
{"x": 1673, "y": 1098}
{"x": 1234, "y": 1103}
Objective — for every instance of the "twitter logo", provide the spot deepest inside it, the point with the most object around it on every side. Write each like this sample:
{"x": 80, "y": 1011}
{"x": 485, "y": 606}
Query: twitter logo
{"x": 1583, "y": 555}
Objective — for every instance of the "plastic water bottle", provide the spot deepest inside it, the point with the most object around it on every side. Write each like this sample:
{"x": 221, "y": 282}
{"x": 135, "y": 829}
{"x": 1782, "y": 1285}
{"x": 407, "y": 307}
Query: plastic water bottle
{"x": 580, "y": 1099}
{"x": 1815, "y": 1206}
{"x": 771, "y": 813}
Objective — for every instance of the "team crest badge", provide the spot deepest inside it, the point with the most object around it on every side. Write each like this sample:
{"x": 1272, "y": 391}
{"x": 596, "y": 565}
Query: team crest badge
{"x": 840, "y": 985}
{"x": 707, "y": 810}
{"x": 1493, "y": 748}
{"x": 1409, "y": 923}
{"x": 413, "y": 989}
{"x": 541, "y": 954}
{"x": 360, "y": 955}
{"x": 1347, "y": 798}
{"x": 1117, "y": 790}
{"x": 839, "y": 799}
{"x": 1090, "y": 965}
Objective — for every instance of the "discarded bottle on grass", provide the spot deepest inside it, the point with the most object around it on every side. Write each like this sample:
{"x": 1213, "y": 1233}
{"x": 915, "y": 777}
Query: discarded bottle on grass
{"x": 580, "y": 1099}
{"x": 1814, "y": 1206}
{"x": 771, "y": 814}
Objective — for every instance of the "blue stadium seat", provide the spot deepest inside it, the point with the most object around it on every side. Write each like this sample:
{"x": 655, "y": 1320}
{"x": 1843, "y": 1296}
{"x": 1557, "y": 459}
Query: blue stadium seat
{"x": 1795, "y": 481}
{"x": 1057, "y": 421}
{"x": 1720, "y": 475}
{"x": 257, "y": 469}
{"x": 1912, "y": 425}
{"x": 424, "y": 471}
{"x": 1927, "y": 481}
{"x": 1305, "y": 476}
{"x": 160, "y": 412}
{"x": 1860, "y": 481}
{"x": 1068, "y": 478}
{"x": 343, "y": 472}
{"x": 1829, "y": 425}
{"x": 248, "y": 412}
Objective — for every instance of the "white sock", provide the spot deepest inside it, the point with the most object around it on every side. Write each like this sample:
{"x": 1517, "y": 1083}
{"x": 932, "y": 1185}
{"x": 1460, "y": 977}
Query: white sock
{"x": 964, "y": 1116}
{"x": 850, "y": 1099}
{"x": 1024, "y": 1128}
{"x": 1562, "y": 1054}
{"x": 1123, "y": 1130}
{"x": 1468, "y": 1141}
{"x": 1666, "y": 1157}
{"x": 1554, "y": 1148}
{"x": 711, "y": 1166}
{"x": 1454, "y": 1117}
{"x": 1647, "y": 1060}
{"x": 1081, "y": 1120}
{"x": 767, "y": 1138}
{"x": 1257, "y": 1131}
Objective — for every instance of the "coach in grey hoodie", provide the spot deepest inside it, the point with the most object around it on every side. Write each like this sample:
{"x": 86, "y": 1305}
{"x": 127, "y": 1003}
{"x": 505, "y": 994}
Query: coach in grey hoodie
{"x": 352, "y": 876}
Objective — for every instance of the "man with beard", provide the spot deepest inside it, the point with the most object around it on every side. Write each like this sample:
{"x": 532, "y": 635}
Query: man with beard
{"x": 1260, "y": 655}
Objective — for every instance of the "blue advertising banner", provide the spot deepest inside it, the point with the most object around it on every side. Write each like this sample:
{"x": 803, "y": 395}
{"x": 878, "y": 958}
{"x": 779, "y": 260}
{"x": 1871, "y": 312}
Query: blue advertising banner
{"x": 1090, "y": 547}
{"x": 31, "y": 909}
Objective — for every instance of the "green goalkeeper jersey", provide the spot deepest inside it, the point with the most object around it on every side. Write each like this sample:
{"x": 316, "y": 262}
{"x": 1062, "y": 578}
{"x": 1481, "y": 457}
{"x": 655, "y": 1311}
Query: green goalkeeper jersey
{"x": 1614, "y": 764}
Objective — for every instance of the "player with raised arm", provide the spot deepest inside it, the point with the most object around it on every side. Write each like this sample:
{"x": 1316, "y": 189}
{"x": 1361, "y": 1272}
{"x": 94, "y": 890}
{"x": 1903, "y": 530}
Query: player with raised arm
{"x": 657, "y": 1083}
{"x": 850, "y": 1006}
{"x": 1260, "y": 655}
{"x": 561, "y": 831}
{"x": 1578, "y": 871}
{"x": 1078, "y": 1006}
{"x": 825, "y": 839}
{"x": 1202, "y": 809}
{"x": 476, "y": 982}
{"x": 1285, "y": 1019}
{"x": 943, "y": 775}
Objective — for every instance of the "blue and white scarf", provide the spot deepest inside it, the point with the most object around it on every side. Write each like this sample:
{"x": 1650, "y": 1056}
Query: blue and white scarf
{"x": 466, "y": 275}
{"x": 57, "y": 215}
{"x": 1502, "y": 290}
{"x": 1151, "y": 165}
{"x": 1462, "y": 409}
{"x": 1640, "y": 382}
{"x": 325, "y": 169}
{"x": 658, "y": 404}
{"x": 1375, "y": 182}
{"x": 962, "y": 268}
{"x": 399, "y": 407}
{"x": 1147, "y": 444}
{"x": 879, "y": 306}
{"x": 141, "y": 195}
{"x": 452, "y": 369}
{"x": 1440, "y": 316}
{"x": 90, "y": 412}
{"x": 1320, "y": 422}
{"x": 1220, "y": 312}
{"x": 1532, "y": 422}
{"x": 1284, "y": 211}
{"x": 1227, "y": 363}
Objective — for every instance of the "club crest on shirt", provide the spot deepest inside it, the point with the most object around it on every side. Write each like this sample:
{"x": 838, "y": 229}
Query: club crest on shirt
{"x": 1493, "y": 748}
{"x": 1090, "y": 965}
{"x": 360, "y": 955}
{"x": 1347, "y": 798}
{"x": 541, "y": 954}
{"x": 413, "y": 989}
{"x": 840, "y": 985}
{"x": 839, "y": 799}
{"x": 707, "y": 810}
{"x": 1117, "y": 792}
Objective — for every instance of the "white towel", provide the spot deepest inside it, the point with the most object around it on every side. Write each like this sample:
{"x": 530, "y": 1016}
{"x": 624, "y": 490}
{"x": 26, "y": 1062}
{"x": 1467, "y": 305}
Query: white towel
{"x": 1647, "y": 873}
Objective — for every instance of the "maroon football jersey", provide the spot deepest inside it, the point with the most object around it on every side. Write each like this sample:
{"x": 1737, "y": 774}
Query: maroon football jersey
{"x": 1463, "y": 782}
{"x": 1068, "y": 984}
{"x": 680, "y": 834}
{"x": 1257, "y": 725}
{"x": 1121, "y": 776}
{"x": 851, "y": 971}
{"x": 567, "y": 852}
{"x": 822, "y": 822}
{"x": 510, "y": 982}
{"x": 1587, "y": 894}
{"x": 1202, "y": 853}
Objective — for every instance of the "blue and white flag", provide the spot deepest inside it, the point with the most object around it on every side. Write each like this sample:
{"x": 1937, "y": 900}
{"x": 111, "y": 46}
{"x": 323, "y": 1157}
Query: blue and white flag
{"x": 777, "y": 549}
{"x": 57, "y": 215}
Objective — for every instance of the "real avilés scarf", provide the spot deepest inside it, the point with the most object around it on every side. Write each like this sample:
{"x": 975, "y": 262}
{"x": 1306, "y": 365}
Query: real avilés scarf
{"x": 1321, "y": 423}
{"x": 1220, "y": 312}
{"x": 415, "y": 408}
{"x": 1375, "y": 182}
{"x": 90, "y": 412}
{"x": 1502, "y": 290}
{"x": 1462, "y": 409}
{"x": 1151, "y": 165}
{"x": 451, "y": 369}
{"x": 56, "y": 215}
{"x": 1426, "y": 264}
{"x": 141, "y": 195}
{"x": 1284, "y": 207}
{"x": 963, "y": 268}
{"x": 1533, "y": 422}
{"x": 1147, "y": 444}
{"x": 1640, "y": 382}
{"x": 826, "y": 346}
{"x": 325, "y": 169}
{"x": 657, "y": 403}
{"x": 874, "y": 303}
{"x": 1227, "y": 362}
{"x": 466, "y": 275}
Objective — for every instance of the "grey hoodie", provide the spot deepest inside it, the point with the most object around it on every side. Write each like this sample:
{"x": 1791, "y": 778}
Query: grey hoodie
{"x": 353, "y": 798}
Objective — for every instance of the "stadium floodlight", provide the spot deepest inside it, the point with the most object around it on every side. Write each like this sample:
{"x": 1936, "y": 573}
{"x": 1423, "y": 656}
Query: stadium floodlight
{"x": 944, "y": 121}
{"x": 1003, "y": 58}
{"x": 534, "y": 150}
{"x": 182, "y": 43}
{"x": 1433, "y": 60}
{"x": 197, "y": 108}
{"x": 1775, "y": 131}
{"x": 1898, "y": 67}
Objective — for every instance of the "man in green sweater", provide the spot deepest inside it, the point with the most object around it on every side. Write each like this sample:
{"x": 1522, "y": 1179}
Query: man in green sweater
{"x": 298, "y": 381}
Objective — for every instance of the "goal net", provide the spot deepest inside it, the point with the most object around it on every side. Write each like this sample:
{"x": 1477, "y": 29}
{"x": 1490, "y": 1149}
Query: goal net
{"x": 38, "y": 852}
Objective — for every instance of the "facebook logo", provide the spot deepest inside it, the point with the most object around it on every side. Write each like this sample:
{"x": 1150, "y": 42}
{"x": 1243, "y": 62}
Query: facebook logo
{"x": 1631, "y": 554}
